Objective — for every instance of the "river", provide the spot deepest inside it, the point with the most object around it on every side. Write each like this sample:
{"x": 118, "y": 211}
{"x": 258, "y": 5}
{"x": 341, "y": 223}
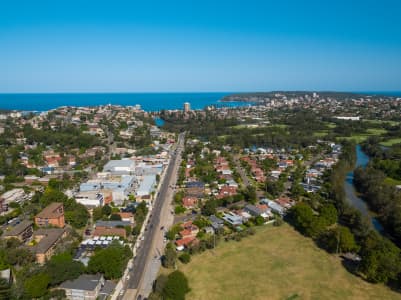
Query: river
{"x": 351, "y": 195}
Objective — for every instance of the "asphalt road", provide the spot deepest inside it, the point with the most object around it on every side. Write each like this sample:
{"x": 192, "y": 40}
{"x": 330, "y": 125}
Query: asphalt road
{"x": 143, "y": 253}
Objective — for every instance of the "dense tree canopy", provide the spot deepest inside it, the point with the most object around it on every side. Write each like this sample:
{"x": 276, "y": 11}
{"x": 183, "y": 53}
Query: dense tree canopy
{"x": 110, "y": 261}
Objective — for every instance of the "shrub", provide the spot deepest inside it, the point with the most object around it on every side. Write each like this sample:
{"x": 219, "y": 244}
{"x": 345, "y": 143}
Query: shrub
{"x": 185, "y": 258}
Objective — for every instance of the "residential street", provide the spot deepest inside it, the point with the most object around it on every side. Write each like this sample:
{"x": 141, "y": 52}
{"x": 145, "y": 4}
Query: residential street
{"x": 147, "y": 261}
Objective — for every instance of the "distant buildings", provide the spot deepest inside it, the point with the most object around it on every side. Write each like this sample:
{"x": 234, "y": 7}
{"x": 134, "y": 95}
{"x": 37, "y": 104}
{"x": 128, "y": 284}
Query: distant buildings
{"x": 187, "y": 107}
{"x": 52, "y": 215}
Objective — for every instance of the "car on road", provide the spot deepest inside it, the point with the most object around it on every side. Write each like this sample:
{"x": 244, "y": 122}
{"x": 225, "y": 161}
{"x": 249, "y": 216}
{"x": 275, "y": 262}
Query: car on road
{"x": 161, "y": 228}
{"x": 165, "y": 240}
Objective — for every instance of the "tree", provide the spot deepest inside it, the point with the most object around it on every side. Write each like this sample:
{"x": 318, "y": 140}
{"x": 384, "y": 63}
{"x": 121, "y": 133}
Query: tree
{"x": 115, "y": 217}
{"x": 5, "y": 289}
{"x": 52, "y": 195}
{"x": 106, "y": 210}
{"x": 19, "y": 256}
{"x": 76, "y": 215}
{"x": 380, "y": 259}
{"x": 259, "y": 220}
{"x": 62, "y": 267}
{"x": 302, "y": 217}
{"x": 201, "y": 222}
{"x": 329, "y": 213}
{"x": 170, "y": 256}
{"x": 36, "y": 285}
{"x": 176, "y": 286}
{"x": 185, "y": 258}
{"x": 110, "y": 261}
{"x": 97, "y": 214}
{"x": 339, "y": 240}
{"x": 209, "y": 208}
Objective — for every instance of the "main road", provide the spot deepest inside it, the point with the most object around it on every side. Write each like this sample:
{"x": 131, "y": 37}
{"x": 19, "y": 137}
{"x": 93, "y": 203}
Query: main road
{"x": 145, "y": 267}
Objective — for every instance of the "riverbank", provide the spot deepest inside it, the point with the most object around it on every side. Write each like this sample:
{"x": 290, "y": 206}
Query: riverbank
{"x": 352, "y": 195}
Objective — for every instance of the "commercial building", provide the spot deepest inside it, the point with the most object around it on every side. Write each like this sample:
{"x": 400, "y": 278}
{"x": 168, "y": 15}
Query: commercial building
{"x": 119, "y": 187}
{"x": 146, "y": 187}
{"x": 90, "y": 199}
{"x": 52, "y": 215}
{"x": 120, "y": 167}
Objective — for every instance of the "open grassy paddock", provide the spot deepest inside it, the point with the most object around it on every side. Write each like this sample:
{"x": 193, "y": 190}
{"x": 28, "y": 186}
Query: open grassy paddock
{"x": 275, "y": 263}
{"x": 391, "y": 142}
{"x": 359, "y": 138}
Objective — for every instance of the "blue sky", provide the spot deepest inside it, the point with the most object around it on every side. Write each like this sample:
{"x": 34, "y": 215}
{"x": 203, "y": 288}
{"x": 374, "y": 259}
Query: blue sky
{"x": 166, "y": 46}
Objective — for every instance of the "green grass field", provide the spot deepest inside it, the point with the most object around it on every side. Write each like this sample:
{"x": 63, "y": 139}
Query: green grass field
{"x": 321, "y": 133}
{"x": 392, "y": 181}
{"x": 391, "y": 142}
{"x": 381, "y": 122}
{"x": 359, "y": 138}
{"x": 275, "y": 263}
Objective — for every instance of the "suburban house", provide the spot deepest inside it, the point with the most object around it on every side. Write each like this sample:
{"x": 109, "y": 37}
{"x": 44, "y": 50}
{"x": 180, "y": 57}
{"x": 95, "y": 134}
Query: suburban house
{"x": 126, "y": 217}
{"x": 216, "y": 222}
{"x": 185, "y": 242}
{"x": 252, "y": 210}
{"x": 46, "y": 243}
{"x": 121, "y": 232}
{"x": 189, "y": 230}
{"x": 232, "y": 218}
{"x": 23, "y": 232}
{"x": 111, "y": 228}
{"x": 52, "y": 215}
{"x": 85, "y": 287}
{"x": 275, "y": 207}
{"x": 189, "y": 202}
{"x": 195, "y": 189}
{"x": 226, "y": 191}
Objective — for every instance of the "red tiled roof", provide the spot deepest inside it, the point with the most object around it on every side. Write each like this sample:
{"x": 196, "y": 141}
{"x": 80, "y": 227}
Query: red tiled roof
{"x": 186, "y": 241}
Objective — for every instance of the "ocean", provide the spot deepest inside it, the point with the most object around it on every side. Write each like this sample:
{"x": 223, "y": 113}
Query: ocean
{"x": 148, "y": 101}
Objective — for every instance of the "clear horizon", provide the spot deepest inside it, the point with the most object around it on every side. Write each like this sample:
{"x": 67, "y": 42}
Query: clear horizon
{"x": 160, "y": 47}
{"x": 202, "y": 92}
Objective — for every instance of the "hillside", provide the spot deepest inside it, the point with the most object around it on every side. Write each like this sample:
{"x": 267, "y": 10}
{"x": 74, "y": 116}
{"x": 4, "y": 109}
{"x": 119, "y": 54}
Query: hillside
{"x": 276, "y": 263}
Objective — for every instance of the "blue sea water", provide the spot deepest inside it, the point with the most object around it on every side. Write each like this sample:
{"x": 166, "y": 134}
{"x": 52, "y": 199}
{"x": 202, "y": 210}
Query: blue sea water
{"x": 148, "y": 101}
